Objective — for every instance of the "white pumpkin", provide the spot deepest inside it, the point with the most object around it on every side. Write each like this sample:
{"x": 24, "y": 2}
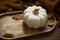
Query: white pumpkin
{"x": 35, "y": 17}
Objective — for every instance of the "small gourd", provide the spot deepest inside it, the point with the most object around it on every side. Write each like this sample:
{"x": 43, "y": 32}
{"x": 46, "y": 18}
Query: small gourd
{"x": 35, "y": 17}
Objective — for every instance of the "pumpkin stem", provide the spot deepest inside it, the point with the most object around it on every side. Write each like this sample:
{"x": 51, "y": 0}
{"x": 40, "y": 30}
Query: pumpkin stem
{"x": 35, "y": 12}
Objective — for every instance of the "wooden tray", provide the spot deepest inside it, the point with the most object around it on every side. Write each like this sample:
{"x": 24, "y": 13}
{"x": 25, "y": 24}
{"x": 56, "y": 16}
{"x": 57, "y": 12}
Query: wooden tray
{"x": 50, "y": 25}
